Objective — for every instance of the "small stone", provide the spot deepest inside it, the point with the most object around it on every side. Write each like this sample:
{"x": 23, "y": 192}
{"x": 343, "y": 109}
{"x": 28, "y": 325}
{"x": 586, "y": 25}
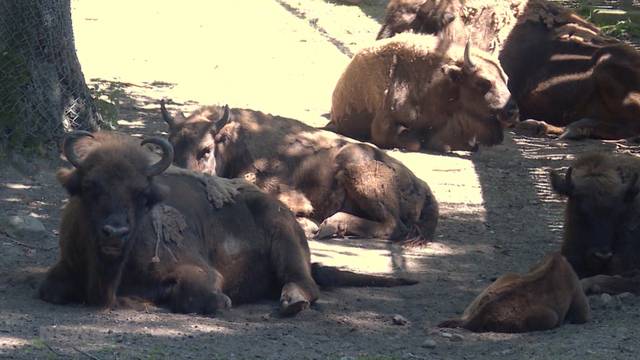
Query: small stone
{"x": 605, "y": 299}
{"x": 626, "y": 298}
{"x": 399, "y": 320}
{"x": 429, "y": 344}
{"x": 446, "y": 335}
{"x": 456, "y": 337}
{"x": 22, "y": 227}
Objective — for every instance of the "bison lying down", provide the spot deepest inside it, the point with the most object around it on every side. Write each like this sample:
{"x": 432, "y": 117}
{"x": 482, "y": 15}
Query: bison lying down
{"x": 542, "y": 299}
{"x": 131, "y": 230}
{"x": 349, "y": 187}
{"x": 602, "y": 219}
{"x": 416, "y": 92}
{"x": 563, "y": 72}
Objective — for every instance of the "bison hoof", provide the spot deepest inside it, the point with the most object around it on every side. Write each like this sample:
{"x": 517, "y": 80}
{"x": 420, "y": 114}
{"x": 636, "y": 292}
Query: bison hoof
{"x": 293, "y": 300}
{"x": 331, "y": 228}
{"x": 531, "y": 127}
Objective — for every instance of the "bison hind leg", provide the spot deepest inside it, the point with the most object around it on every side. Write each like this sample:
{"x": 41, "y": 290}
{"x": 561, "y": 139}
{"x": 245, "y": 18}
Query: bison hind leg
{"x": 540, "y": 318}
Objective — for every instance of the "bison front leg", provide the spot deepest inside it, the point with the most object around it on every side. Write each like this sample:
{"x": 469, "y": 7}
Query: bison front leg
{"x": 592, "y": 128}
{"x": 537, "y": 128}
{"x": 344, "y": 224}
{"x": 291, "y": 261}
{"x": 61, "y": 285}
{"x": 192, "y": 289}
{"x": 611, "y": 284}
{"x": 387, "y": 133}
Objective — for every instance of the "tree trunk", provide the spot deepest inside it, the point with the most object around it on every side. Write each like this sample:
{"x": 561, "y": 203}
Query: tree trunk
{"x": 42, "y": 88}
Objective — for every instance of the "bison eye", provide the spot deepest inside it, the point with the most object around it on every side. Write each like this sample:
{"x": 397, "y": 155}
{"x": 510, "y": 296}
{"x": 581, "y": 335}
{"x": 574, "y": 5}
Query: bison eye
{"x": 484, "y": 86}
{"x": 204, "y": 153}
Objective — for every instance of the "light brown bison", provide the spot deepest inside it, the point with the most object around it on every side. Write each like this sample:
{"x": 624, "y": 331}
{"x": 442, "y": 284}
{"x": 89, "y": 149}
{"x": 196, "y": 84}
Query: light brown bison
{"x": 133, "y": 231}
{"x": 542, "y": 299}
{"x": 349, "y": 188}
{"x": 602, "y": 218}
{"x": 565, "y": 75}
{"x": 411, "y": 92}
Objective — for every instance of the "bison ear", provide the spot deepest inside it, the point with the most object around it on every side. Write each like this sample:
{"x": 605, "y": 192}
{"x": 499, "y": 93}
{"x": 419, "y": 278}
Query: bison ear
{"x": 561, "y": 185}
{"x": 632, "y": 189}
{"x": 70, "y": 180}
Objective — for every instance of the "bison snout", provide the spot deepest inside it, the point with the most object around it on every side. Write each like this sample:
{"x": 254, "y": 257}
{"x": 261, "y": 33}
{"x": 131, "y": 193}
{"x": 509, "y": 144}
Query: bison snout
{"x": 115, "y": 231}
{"x": 509, "y": 115}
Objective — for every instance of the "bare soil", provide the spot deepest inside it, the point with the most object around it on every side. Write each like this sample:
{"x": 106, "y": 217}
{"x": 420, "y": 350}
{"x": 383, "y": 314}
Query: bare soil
{"x": 283, "y": 56}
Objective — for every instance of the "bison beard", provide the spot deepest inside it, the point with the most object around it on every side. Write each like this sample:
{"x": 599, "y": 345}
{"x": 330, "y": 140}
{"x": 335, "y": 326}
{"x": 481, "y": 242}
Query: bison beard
{"x": 193, "y": 257}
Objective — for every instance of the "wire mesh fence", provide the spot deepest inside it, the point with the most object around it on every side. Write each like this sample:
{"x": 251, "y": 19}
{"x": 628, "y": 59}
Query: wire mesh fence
{"x": 42, "y": 90}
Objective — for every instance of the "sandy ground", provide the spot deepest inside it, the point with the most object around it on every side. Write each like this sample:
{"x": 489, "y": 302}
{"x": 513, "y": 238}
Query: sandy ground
{"x": 284, "y": 56}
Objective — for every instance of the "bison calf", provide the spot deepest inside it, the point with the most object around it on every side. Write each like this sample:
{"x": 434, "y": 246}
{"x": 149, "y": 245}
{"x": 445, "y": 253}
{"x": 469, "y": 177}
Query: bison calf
{"x": 133, "y": 230}
{"x": 540, "y": 300}
{"x": 602, "y": 218}
{"x": 417, "y": 92}
{"x": 350, "y": 188}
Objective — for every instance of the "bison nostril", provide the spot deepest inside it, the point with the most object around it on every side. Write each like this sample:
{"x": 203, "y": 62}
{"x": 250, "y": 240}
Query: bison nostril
{"x": 115, "y": 231}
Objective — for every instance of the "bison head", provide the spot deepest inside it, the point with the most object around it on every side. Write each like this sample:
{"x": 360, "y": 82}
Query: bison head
{"x": 114, "y": 181}
{"x": 193, "y": 138}
{"x": 598, "y": 201}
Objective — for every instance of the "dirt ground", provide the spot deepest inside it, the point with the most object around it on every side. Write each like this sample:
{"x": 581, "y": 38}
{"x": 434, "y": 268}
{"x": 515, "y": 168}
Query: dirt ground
{"x": 283, "y": 56}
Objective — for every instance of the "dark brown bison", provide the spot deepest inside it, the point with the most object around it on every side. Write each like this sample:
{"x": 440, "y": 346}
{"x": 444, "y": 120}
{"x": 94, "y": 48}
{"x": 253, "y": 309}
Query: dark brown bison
{"x": 565, "y": 75}
{"x": 133, "y": 231}
{"x": 542, "y": 299}
{"x": 407, "y": 92}
{"x": 350, "y": 188}
{"x": 602, "y": 217}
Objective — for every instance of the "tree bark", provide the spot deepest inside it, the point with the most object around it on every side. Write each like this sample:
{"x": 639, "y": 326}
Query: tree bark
{"x": 42, "y": 89}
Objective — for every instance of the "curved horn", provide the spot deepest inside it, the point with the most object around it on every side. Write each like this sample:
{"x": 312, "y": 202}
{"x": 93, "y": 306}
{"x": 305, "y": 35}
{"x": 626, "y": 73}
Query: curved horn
{"x": 68, "y": 147}
{"x": 223, "y": 120}
{"x": 469, "y": 66}
{"x": 165, "y": 114}
{"x": 167, "y": 156}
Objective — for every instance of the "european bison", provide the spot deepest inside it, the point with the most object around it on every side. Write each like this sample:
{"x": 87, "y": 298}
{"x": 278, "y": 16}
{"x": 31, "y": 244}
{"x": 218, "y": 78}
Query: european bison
{"x": 563, "y": 72}
{"x": 133, "y": 231}
{"x": 415, "y": 93}
{"x": 602, "y": 218}
{"x": 349, "y": 187}
{"x": 542, "y": 299}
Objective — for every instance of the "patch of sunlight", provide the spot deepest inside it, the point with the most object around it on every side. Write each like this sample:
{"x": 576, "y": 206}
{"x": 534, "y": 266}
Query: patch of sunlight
{"x": 363, "y": 320}
{"x": 133, "y": 124}
{"x": 15, "y": 186}
{"x": 12, "y": 199}
{"x": 7, "y": 342}
{"x": 145, "y": 329}
{"x": 352, "y": 257}
{"x": 449, "y": 177}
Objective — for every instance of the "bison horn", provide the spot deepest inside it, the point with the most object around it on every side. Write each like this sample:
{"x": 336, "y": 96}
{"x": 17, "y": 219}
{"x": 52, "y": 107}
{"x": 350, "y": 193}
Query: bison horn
{"x": 469, "y": 66}
{"x": 168, "y": 118}
{"x": 167, "y": 156}
{"x": 68, "y": 147}
{"x": 223, "y": 120}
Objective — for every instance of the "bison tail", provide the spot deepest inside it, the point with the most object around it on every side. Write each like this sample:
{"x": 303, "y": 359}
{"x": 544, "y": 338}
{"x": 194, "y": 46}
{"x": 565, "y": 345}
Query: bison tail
{"x": 327, "y": 276}
{"x": 452, "y": 323}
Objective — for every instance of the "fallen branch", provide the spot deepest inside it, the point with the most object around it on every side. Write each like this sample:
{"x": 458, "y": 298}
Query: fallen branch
{"x": 54, "y": 350}
{"x": 85, "y": 353}
{"x": 35, "y": 247}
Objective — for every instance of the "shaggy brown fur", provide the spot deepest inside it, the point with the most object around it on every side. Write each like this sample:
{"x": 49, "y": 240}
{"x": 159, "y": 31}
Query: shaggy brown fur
{"x": 130, "y": 233}
{"x": 415, "y": 92}
{"x": 562, "y": 70}
{"x": 542, "y": 299}
{"x": 349, "y": 187}
{"x": 602, "y": 214}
